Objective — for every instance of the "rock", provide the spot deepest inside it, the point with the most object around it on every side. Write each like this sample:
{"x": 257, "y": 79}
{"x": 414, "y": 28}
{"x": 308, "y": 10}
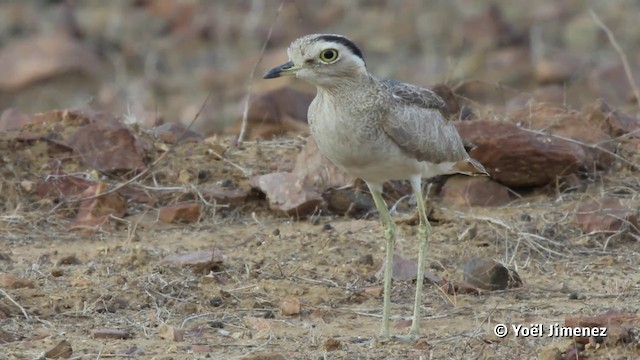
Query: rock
{"x": 317, "y": 171}
{"x": 331, "y": 344}
{"x": 558, "y": 68}
{"x": 97, "y": 205}
{"x": 405, "y": 269}
{"x": 290, "y": 306}
{"x": 10, "y": 281}
{"x": 41, "y": 57}
{"x": 277, "y": 112}
{"x": 287, "y": 193}
{"x": 518, "y": 158}
{"x": 225, "y": 196}
{"x": 489, "y": 29}
{"x": 174, "y": 133}
{"x": 171, "y": 333}
{"x": 463, "y": 190}
{"x": 107, "y": 145}
{"x": 610, "y": 82}
{"x": 569, "y": 124}
{"x": 202, "y": 261}
{"x": 446, "y": 93}
{"x": 612, "y": 122}
{"x": 59, "y": 185}
{"x": 186, "y": 213}
{"x": 619, "y": 326}
{"x": 12, "y": 119}
{"x": 348, "y": 202}
{"x": 606, "y": 214}
{"x": 113, "y": 334}
{"x": 489, "y": 274}
{"x": 61, "y": 351}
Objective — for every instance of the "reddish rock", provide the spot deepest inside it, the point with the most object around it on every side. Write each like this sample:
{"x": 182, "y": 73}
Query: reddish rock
{"x": 348, "y": 202}
{"x": 619, "y": 326}
{"x": 287, "y": 193}
{"x": 96, "y": 207}
{"x": 463, "y": 190}
{"x": 606, "y": 214}
{"x": 12, "y": 119}
{"x": 571, "y": 125}
{"x": 317, "y": 171}
{"x": 59, "y": 185}
{"x": 489, "y": 29}
{"x": 613, "y": 122}
{"x": 223, "y": 196}
{"x": 106, "y": 144}
{"x": 277, "y": 112}
{"x": 10, "y": 281}
{"x": 609, "y": 81}
{"x": 516, "y": 157}
{"x": 186, "y": 213}
{"x": 41, "y": 57}
{"x": 446, "y": 93}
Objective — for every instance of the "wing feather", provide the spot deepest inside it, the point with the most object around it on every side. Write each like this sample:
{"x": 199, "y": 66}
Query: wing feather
{"x": 416, "y": 123}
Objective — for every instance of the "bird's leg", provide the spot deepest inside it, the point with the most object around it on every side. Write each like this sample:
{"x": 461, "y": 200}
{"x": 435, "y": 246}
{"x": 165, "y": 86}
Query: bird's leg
{"x": 390, "y": 237}
{"x": 423, "y": 232}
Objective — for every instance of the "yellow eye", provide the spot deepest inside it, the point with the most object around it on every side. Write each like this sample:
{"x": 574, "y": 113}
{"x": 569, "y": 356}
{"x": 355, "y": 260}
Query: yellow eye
{"x": 329, "y": 55}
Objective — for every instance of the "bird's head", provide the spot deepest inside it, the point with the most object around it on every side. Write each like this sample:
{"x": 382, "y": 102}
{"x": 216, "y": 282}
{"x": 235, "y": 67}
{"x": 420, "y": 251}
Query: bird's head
{"x": 323, "y": 60}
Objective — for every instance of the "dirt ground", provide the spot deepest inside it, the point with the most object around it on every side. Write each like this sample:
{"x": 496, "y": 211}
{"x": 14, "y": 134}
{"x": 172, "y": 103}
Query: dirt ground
{"x": 81, "y": 282}
{"x": 63, "y": 285}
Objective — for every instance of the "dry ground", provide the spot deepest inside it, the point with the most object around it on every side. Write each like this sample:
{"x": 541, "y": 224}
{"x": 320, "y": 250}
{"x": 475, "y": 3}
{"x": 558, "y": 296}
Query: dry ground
{"x": 118, "y": 282}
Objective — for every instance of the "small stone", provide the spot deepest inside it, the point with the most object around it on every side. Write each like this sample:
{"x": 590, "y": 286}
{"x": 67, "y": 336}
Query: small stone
{"x": 186, "y": 213}
{"x": 290, "y": 306}
{"x": 287, "y": 193}
{"x": 201, "y": 261}
{"x": 489, "y": 274}
{"x": 606, "y": 214}
{"x": 110, "y": 334}
{"x": 61, "y": 351}
{"x": 171, "y": 333}
{"x": 462, "y": 190}
{"x": 366, "y": 259}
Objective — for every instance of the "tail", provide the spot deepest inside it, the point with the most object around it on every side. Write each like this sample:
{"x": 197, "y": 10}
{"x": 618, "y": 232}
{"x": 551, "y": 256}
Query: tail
{"x": 470, "y": 167}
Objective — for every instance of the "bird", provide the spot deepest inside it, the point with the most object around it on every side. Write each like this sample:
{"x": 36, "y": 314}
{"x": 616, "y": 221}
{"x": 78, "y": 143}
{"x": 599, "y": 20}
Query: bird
{"x": 378, "y": 130}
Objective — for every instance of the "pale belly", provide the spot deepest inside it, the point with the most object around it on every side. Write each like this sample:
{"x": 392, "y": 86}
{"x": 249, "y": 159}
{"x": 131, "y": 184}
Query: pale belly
{"x": 375, "y": 159}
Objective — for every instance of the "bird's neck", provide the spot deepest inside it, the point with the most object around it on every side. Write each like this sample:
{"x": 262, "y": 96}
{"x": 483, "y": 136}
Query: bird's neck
{"x": 342, "y": 85}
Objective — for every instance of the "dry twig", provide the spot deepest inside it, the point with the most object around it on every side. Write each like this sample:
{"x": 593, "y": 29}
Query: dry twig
{"x": 618, "y": 48}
